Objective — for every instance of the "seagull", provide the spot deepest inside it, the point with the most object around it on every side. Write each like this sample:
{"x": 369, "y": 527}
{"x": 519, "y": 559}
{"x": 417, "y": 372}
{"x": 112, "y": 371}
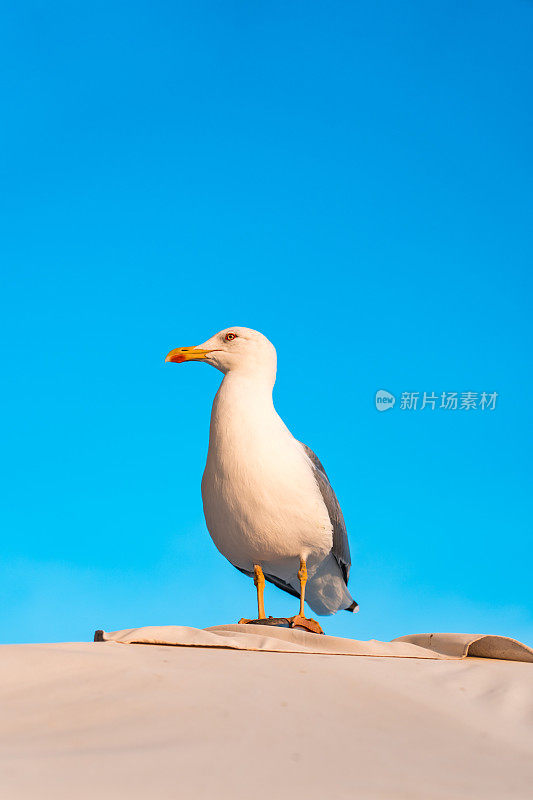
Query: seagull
{"x": 268, "y": 504}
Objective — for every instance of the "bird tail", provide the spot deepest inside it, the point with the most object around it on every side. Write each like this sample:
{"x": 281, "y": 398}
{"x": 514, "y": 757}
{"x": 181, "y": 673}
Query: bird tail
{"x": 354, "y": 607}
{"x": 326, "y": 591}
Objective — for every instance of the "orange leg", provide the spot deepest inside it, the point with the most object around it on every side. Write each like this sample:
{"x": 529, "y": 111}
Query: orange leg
{"x": 301, "y": 620}
{"x": 302, "y": 577}
{"x": 259, "y": 581}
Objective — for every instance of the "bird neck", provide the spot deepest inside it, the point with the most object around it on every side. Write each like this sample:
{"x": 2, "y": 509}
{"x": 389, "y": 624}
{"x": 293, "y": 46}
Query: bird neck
{"x": 242, "y": 389}
{"x": 243, "y": 405}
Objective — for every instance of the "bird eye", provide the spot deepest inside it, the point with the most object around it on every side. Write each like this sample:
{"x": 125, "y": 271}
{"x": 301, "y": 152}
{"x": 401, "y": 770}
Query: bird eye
{"x": 230, "y": 337}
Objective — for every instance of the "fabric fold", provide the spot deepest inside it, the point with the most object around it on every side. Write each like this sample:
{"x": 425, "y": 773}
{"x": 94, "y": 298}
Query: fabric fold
{"x": 290, "y": 640}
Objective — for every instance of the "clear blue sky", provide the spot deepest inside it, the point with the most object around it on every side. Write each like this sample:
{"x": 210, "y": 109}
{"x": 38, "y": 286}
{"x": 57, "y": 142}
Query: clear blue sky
{"x": 351, "y": 179}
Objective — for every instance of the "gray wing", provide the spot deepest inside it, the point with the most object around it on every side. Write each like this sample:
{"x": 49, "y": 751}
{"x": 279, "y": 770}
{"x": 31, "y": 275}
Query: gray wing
{"x": 341, "y": 548}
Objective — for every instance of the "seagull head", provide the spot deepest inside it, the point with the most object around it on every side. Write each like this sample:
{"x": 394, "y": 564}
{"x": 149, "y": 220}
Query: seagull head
{"x": 234, "y": 349}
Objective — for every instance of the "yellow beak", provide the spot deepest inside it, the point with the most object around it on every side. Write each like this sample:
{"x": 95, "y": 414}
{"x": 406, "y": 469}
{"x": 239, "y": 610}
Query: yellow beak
{"x": 181, "y": 354}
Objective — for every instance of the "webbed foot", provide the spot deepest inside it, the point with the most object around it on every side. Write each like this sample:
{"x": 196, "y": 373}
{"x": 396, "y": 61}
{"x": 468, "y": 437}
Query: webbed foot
{"x": 310, "y": 625}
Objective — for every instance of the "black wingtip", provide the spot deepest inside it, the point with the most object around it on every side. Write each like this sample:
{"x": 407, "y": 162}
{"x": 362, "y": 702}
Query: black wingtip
{"x": 354, "y": 608}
